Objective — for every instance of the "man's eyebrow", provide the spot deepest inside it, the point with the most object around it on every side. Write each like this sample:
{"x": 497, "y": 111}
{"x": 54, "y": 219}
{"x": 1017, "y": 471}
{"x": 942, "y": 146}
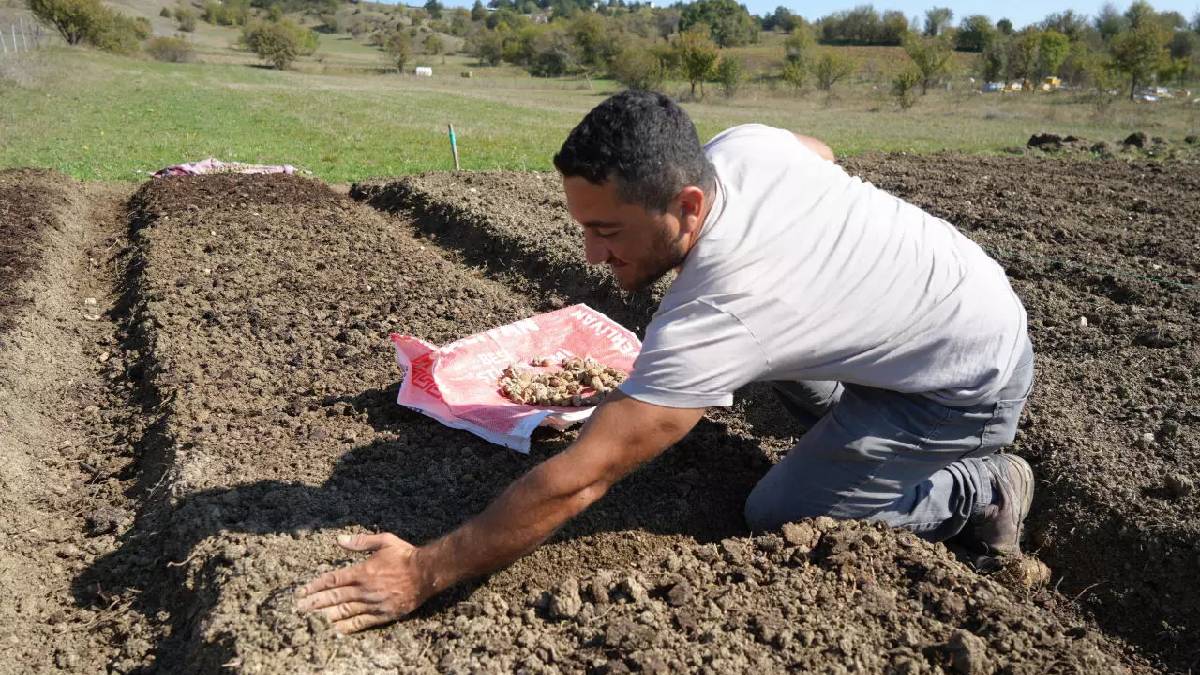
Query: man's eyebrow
{"x": 599, "y": 223}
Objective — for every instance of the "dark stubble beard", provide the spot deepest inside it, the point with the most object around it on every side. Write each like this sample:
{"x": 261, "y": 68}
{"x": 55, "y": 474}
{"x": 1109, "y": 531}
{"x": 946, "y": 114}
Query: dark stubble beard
{"x": 666, "y": 255}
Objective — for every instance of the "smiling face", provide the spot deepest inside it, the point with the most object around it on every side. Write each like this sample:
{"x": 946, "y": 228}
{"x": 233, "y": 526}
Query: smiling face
{"x": 639, "y": 245}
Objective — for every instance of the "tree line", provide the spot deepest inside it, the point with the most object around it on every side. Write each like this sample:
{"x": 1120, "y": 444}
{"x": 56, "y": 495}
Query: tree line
{"x": 644, "y": 46}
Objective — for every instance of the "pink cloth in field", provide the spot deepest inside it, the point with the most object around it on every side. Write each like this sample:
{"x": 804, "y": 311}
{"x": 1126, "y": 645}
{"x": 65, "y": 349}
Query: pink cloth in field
{"x": 213, "y": 165}
{"x": 458, "y": 384}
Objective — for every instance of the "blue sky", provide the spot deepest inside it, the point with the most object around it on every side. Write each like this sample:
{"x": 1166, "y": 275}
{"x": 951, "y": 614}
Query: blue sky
{"x": 1021, "y": 12}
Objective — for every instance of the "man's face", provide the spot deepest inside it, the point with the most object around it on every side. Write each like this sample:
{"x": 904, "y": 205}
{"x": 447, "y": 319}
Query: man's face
{"x": 638, "y": 245}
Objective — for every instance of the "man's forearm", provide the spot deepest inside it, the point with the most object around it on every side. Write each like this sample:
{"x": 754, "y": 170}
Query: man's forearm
{"x": 527, "y": 513}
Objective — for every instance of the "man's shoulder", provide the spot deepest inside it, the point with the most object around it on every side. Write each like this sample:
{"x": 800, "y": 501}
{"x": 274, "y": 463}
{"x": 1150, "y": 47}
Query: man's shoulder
{"x": 747, "y": 134}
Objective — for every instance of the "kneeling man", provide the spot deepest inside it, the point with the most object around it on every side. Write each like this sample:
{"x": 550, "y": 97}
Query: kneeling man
{"x": 896, "y": 339}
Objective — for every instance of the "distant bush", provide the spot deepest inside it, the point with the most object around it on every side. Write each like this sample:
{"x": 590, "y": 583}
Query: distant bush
{"x": 433, "y": 44}
{"x": 228, "y": 13}
{"x": 186, "y": 19}
{"x": 638, "y": 68}
{"x": 279, "y": 42}
{"x": 830, "y": 68}
{"x": 550, "y": 53}
{"x": 904, "y": 87}
{"x": 931, "y": 56}
{"x": 730, "y": 75}
{"x": 798, "y": 47}
{"x": 88, "y": 21}
{"x": 165, "y": 13}
{"x": 121, "y": 34}
{"x": 487, "y": 46}
{"x": 399, "y": 48}
{"x": 170, "y": 49}
{"x": 795, "y": 74}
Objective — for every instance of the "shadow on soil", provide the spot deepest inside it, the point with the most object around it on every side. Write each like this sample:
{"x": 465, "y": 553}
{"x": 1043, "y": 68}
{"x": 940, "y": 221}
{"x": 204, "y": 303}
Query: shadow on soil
{"x": 401, "y": 485}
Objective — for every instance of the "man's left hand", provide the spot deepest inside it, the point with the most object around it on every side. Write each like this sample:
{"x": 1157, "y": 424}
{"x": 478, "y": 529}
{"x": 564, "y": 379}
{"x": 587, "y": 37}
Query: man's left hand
{"x": 381, "y": 589}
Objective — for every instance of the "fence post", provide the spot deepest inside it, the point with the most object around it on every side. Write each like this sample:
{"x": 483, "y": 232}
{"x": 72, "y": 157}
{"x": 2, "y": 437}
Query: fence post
{"x": 14, "y": 35}
{"x": 24, "y": 39}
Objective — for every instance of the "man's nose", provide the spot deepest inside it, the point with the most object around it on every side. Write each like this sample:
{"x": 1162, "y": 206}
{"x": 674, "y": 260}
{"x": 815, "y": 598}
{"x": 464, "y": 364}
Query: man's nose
{"x": 594, "y": 249}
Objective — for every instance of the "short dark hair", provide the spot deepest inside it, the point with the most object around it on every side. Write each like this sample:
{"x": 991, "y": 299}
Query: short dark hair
{"x": 644, "y": 141}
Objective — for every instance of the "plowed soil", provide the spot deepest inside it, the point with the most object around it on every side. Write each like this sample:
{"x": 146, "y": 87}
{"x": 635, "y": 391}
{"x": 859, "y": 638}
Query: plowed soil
{"x": 230, "y": 409}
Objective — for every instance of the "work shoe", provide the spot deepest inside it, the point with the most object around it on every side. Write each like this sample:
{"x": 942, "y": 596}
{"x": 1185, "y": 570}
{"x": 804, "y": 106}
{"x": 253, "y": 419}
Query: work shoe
{"x": 996, "y": 530}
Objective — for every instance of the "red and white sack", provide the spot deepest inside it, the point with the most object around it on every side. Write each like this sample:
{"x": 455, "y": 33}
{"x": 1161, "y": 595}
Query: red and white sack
{"x": 458, "y": 384}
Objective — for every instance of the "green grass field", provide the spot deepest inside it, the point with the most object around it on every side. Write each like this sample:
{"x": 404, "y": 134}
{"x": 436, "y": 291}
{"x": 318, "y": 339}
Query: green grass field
{"x": 341, "y": 115}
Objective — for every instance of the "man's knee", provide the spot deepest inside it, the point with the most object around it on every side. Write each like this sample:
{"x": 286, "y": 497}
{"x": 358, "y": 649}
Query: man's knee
{"x": 766, "y": 510}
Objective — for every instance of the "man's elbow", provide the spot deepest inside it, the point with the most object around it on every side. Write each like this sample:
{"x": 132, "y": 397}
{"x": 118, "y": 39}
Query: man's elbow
{"x": 571, "y": 484}
{"x": 822, "y": 150}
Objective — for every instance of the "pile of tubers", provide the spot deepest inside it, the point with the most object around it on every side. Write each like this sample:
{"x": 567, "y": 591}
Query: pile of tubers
{"x": 577, "y": 382}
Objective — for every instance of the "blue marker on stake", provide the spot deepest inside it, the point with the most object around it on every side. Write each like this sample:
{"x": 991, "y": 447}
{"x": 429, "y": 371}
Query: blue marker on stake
{"x": 454, "y": 147}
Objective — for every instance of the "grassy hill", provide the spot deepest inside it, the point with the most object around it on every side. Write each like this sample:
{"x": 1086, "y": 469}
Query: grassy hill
{"x": 346, "y": 114}
{"x": 119, "y": 117}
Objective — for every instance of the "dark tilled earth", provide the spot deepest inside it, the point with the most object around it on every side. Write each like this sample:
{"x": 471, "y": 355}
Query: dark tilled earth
{"x": 247, "y": 374}
{"x": 30, "y": 202}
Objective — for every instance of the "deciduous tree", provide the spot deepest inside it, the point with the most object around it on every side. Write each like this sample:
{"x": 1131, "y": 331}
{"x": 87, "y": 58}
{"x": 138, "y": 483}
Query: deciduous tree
{"x": 937, "y": 19}
{"x": 730, "y": 24}
{"x": 697, "y": 55}
{"x": 398, "y": 47}
{"x": 974, "y": 33}
{"x": 831, "y": 67}
{"x": 931, "y": 56}
{"x": 1139, "y": 53}
{"x": 1053, "y": 47}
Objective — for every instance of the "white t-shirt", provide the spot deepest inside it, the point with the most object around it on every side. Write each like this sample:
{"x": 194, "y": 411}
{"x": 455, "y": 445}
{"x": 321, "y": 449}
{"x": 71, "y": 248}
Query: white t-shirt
{"x": 803, "y": 272}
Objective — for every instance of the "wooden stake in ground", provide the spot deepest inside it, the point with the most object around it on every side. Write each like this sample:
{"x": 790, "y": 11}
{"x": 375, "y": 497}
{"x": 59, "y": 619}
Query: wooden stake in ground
{"x": 454, "y": 147}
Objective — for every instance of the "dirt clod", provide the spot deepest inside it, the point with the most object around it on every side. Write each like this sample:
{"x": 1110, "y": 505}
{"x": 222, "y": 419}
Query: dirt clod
{"x": 968, "y": 653}
{"x": 1137, "y": 139}
{"x": 565, "y": 601}
{"x": 1179, "y": 485}
{"x": 800, "y": 534}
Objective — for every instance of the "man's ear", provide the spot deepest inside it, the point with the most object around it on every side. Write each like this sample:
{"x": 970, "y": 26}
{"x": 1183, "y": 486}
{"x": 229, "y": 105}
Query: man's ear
{"x": 692, "y": 203}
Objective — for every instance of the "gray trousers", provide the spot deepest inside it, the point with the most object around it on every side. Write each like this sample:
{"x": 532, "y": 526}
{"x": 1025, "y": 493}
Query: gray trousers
{"x": 902, "y": 459}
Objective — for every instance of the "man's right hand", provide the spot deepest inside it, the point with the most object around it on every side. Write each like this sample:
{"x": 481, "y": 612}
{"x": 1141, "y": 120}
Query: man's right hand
{"x": 381, "y": 589}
